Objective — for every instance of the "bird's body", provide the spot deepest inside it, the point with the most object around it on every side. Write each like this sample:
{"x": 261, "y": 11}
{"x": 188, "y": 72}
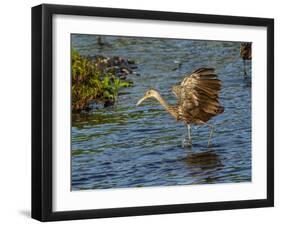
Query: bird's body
{"x": 198, "y": 98}
{"x": 245, "y": 53}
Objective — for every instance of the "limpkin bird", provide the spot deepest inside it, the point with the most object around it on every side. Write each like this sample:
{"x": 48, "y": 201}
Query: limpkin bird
{"x": 100, "y": 41}
{"x": 245, "y": 53}
{"x": 198, "y": 99}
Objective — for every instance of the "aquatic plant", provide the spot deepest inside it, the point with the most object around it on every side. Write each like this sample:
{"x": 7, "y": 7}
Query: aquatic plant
{"x": 91, "y": 81}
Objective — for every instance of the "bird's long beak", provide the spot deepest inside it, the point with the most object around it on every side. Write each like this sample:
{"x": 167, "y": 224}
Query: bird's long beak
{"x": 141, "y": 100}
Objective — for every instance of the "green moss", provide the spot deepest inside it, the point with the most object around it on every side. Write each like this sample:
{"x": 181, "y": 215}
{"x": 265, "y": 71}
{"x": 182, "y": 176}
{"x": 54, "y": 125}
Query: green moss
{"x": 92, "y": 82}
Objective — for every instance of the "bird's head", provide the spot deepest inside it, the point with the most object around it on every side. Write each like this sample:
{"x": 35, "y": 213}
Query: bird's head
{"x": 148, "y": 94}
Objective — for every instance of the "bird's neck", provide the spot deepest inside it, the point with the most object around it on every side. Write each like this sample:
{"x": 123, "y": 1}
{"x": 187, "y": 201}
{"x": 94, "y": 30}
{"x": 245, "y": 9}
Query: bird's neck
{"x": 167, "y": 106}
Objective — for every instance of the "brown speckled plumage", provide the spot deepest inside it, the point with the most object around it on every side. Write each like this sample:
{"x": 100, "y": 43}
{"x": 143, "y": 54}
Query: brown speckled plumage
{"x": 198, "y": 97}
{"x": 246, "y": 51}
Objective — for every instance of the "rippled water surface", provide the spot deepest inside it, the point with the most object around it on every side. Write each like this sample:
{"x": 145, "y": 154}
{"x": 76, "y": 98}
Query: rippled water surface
{"x": 129, "y": 146}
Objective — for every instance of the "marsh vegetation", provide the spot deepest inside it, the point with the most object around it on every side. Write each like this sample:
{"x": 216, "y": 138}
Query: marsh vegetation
{"x": 95, "y": 80}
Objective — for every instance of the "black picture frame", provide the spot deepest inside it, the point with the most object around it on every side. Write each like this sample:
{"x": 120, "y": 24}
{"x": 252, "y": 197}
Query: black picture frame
{"x": 42, "y": 111}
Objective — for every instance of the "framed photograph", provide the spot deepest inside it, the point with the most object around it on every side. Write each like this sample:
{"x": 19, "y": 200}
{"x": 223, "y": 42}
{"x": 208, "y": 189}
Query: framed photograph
{"x": 145, "y": 112}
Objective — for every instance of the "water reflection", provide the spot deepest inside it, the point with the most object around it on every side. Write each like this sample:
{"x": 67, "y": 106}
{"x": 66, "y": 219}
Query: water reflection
{"x": 204, "y": 165}
{"x": 205, "y": 159}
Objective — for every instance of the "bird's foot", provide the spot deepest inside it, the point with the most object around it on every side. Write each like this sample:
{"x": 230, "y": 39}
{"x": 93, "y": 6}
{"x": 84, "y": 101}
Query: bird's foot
{"x": 186, "y": 143}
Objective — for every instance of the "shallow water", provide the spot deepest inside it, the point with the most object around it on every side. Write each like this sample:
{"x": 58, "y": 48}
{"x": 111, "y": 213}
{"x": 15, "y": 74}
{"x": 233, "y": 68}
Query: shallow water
{"x": 129, "y": 146}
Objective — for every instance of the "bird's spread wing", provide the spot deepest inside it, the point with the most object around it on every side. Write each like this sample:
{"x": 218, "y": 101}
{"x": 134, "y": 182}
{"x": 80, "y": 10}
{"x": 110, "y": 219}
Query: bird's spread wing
{"x": 198, "y": 93}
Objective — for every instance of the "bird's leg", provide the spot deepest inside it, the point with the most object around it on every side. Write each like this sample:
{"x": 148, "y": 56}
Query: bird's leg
{"x": 189, "y": 134}
{"x": 211, "y": 133}
{"x": 245, "y": 71}
{"x": 187, "y": 140}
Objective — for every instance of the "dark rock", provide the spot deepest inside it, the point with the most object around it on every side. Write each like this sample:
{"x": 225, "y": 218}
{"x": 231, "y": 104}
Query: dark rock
{"x": 130, "y": 61}
{"x": 133, "y": 66}
{"x": 108, "y": 103}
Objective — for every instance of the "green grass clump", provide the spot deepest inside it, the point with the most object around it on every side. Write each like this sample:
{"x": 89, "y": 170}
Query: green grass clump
{"x": 92, "y": 82}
